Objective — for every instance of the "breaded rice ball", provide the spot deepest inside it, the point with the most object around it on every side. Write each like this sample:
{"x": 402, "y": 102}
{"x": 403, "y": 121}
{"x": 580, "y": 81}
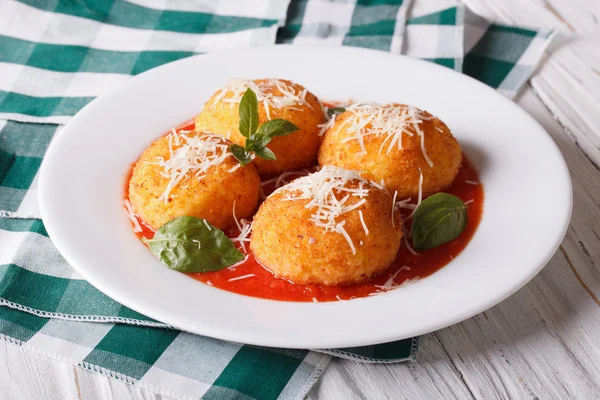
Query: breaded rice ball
{"x": 330, "y": 228}
{"x": 393, "y": 142}
{"x": 277, "y": 98}
{"x": 193, "y": 174}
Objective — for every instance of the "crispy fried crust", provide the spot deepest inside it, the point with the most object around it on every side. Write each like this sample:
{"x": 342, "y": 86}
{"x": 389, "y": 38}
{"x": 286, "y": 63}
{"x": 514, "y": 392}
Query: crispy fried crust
{"x": 294, "y": 151}
{"x": 287, "y": 243}
{"x": 398, "y": 168}
{"x": 209, "y": 198}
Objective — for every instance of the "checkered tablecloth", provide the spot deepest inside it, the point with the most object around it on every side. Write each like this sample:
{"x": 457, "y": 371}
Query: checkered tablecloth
{"x": 58, "y": 55}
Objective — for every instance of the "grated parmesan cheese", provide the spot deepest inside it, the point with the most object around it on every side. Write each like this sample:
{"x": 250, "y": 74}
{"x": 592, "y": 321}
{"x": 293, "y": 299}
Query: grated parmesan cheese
{"x": 394, "y": 208}
{"x": 327, "y": 125}
{"x": 136, "y": 224}
{"x": 244, "y": 227}
{"x": 390, "y": 284}
{"x": 405, "y": 204}
{"x": 329, "y": 195}
{"x": 419, "y": 196}
{"x": 362, "y": 221}
{"x": 237, "y": 278}
{"x": 288, "y": 96}
{"x": 232, "y": 267}
{"x": 390, "y": 121}
{"x": 280, "y": 181}
{"x": 190, "y": 156}
{"x": 407, "y": 244}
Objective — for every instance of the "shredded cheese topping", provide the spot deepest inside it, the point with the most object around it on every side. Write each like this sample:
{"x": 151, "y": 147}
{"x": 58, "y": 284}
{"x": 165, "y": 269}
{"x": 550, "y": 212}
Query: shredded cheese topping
{"x": 136, "y": 224}
{"x": 362, "y": 221}
{"x": 419, "y": 197}
{"x": 232, "y": 267}
{"x": 288, "y": 96}
{"x": 407, "y": 242}
{"x": 237, "y": 278}
{"x": 324, "y": 127}
{"x": 329, "y": 197}
{"x": 190, "y": 156}
{"x": 244, "y": 227}
{"x": 389, "y": 120}
{"x": 390, "y": 284}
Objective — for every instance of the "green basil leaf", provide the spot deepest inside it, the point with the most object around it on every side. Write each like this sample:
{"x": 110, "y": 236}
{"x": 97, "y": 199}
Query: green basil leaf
{"x": 250, "y": 145}
{"x": 248, "y": 113}
{"x": 187, "y": 244}
{"x": 265, "y": 153}
{"x": 271, "y": 129}
{"x": 240, "y": 154}
{"x": 438, "y": 219}
{"x": 336, "y": 110}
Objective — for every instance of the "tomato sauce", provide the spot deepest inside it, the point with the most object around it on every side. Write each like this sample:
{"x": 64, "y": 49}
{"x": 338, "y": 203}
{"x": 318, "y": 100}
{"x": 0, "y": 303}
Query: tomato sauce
{"x": 251, "y": 279}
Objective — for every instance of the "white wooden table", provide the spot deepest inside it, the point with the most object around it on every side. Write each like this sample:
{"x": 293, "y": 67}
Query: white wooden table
{"x": 543, "y": 342}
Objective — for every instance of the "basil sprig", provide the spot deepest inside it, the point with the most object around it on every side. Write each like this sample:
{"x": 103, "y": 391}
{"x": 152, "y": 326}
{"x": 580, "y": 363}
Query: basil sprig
{"x": 438, "y": 219}
{"x": 257, "y": 138}
{"x": 189, "y": 244}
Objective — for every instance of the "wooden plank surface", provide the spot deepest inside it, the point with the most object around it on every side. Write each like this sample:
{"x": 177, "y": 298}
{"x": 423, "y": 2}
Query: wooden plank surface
{"x": 540, "y": 343}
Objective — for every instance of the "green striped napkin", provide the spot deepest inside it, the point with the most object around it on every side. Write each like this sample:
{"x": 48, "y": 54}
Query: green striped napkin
{"x": 57, "y": 55}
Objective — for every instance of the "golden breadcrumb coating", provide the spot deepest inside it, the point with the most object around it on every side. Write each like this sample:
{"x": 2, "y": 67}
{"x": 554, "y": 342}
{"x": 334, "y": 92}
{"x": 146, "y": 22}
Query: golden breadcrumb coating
{"x": 289, "y": 244}
{"x": 399, "y": 168}
{"x": 210, "y": 197}
{"x": 294, "y": 151}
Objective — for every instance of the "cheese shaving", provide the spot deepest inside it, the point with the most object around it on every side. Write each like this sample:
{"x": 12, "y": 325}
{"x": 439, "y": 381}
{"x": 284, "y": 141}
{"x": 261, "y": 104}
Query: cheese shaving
{"x": 390, "y": 121}
{"x": 190, "y": 156}
{"x": 328, "y": 195}
{"x": 390, "y": 284}
{"x": 280, "y": 181}
{"x": 136, "y": 224}
{"x": 408, "y": 246}
{"x": 288, "y": 95}
{"x": 469, "y": 202}
{"x": 232, "y": 267}
{"x": 237, "y": 278}
{"x": 327, "y": 125}
{"x": 244, "y": 227}
{"x": 394, "y": 208}
{"x": 362, "y": 221}
{"x": 472, "y": 182}
{"x": 406, "y": 204}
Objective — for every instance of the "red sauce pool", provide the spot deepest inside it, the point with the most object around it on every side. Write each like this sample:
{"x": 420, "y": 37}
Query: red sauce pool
{"x": 262, "y": 283}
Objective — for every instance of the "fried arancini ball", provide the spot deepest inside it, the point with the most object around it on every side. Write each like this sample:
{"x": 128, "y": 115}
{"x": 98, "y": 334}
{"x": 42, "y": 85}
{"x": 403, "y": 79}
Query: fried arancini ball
{"x": 400, "y": 142}
{"x": 199, "y": 178}
{"x": 298, "y": 241}
{"x": 277, "y": 98}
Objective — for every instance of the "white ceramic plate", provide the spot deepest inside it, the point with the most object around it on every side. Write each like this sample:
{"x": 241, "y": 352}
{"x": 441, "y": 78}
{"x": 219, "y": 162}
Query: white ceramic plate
{"x": 527, "y": 197}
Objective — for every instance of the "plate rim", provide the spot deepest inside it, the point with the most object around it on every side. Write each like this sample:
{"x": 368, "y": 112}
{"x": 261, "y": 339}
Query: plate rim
{"x": 52, "y": 232}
